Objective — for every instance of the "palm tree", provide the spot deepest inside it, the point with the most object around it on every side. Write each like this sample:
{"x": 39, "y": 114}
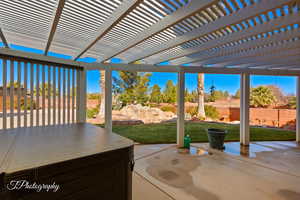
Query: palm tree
{"x": 200, "y": 88}
{"x": 102, "y": 96}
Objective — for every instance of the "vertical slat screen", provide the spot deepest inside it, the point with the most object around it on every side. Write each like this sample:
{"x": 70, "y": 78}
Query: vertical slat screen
{"x": 59, "y": 96}
{"x": 25, "y": 93}
{"x": 37, "y": 89}
{"x": 11, "y": 91}
{"x": 49, "y": 95}
{"x": 39, "y": 94}
{"x": 54, "y": 94}
{"x": 43, "y": 96}
{"x": 64, "y": 96}
{"x": 31, "y": 93}
{"x": 73, "y": 96}
{"x": 19, "y": 68}
{"x": 4, "y": 95}
{"x": 68, "y": 95}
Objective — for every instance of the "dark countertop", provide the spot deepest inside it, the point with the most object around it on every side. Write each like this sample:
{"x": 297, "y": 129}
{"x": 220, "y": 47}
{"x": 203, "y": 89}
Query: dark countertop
{"x": 27, "y": 148}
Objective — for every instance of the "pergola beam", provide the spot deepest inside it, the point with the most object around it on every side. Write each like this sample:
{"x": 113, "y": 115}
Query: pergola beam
{"x": 54, "y": 23}
{"x": 288, "y": 66}
{"x": 121, "y": 12}
{"x": 166, "y": 22}
{"x": 25, "y": 56}
{"x": 222, "y": 22}
{"x": 3, "y": 39}
{"x": 225, "y": 70}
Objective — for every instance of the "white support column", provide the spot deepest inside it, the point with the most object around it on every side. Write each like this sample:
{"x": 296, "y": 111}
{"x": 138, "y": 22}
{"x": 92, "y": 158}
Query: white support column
{"x": 108, "y": 100}
{"x": 81, "y": 96}
{"x": 180, "y": 108}
{"x": 298, "y": 110}
{"x": 244, "y": 109}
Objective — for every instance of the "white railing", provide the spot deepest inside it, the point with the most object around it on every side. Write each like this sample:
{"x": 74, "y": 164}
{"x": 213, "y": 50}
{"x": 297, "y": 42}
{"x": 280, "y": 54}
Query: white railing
{"x": 40, "y": 94}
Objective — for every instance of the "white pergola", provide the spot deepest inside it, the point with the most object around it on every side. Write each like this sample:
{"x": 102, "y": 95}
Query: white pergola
{"x": 246, "y": 37}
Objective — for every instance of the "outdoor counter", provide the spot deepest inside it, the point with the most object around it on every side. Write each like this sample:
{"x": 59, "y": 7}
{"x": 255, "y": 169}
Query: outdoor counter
{"x": 79, "y": 161}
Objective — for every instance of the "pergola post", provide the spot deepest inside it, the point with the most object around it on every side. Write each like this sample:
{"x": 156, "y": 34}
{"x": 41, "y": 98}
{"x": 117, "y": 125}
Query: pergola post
{"x": 108, "y": 100}
{"x": 81, "y": 96}
{"x": 244, "y": 109}
{"x": 298, "y": 110}
{"x": 180, "y": 108}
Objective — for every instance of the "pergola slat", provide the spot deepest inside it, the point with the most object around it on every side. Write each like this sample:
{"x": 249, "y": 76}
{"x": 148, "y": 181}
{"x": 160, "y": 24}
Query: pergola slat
{"x": 271, "y": 57}
{"x": 246, "y": 45}
{"x": 113, "y": 20}
{"x": 249, "y": 53}
{"x": 234, "y": 18}
{"x": 268, "y": 63}
{"x": 262, "y": 28}
{"x": 166, "y": 22}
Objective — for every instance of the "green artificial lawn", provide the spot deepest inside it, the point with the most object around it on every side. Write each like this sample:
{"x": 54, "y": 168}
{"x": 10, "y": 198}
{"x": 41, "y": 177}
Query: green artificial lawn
{"x": 166, "y": 132}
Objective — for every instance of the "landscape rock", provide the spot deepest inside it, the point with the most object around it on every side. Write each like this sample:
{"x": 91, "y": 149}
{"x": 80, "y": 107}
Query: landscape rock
{"x": 145, "y": 114}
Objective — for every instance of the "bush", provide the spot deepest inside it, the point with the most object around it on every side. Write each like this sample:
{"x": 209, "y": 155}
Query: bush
{"x": 292, "y": 103}
{"x": 192, "y": 110}
{"x": 169, "y": 108}
{"x": 262, "y": 97}
{"x": 90, "y": 113}
{"x": 93, "y": 96}
{"x": 22, "y": 104}
{"x": 211, "y": 112}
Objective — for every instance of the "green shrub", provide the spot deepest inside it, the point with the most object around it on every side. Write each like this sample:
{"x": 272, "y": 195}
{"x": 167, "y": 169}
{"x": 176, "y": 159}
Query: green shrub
{"x": 292, "y": 103}
{"x": 192, "y": 110}
{"x": 169, "y": 108}
{"x": 211, "y": 112}
{"x": 93, "y": 96}
{"x": 22, "y": 103}
{"x": 90, "y": 113}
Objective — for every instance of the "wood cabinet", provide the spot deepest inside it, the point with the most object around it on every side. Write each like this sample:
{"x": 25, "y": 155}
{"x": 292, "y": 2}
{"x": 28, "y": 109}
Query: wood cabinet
{"x": 83, "y": 160}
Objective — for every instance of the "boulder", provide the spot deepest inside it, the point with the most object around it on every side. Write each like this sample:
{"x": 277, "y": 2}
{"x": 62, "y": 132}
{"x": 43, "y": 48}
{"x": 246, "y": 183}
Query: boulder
{"x": 145, "y": 114}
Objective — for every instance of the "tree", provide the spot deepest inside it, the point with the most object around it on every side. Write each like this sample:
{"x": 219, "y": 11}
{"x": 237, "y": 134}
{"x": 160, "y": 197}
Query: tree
{"x": 261, "y": 96}
{"x": 226, "y": 94}
{"x": 219, "y": 94}
{"x": 212, "y": 97}
{"x": 292, "y": 102}
{"x": 102, "y": 96}
{"x": 277, "y": 92}
{"x": 237, "y": 94}
{"x": 200, "y": 89}
{"x": 47, "y": 87}
{"x": 141, "y": 89}
{"x": 132, "y": 87}
{"x": 155, "y": 96}
{"x": 170, "y": 92}
{"x": 16, "y": 85}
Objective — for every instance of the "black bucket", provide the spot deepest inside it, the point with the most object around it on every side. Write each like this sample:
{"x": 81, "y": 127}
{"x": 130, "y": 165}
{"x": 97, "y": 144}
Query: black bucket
{"x": 216, "y": 138}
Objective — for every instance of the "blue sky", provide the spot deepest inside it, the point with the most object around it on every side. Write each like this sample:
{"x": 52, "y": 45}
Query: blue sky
{"x": 221, "y": 82}
{"x": 230, "y": 83}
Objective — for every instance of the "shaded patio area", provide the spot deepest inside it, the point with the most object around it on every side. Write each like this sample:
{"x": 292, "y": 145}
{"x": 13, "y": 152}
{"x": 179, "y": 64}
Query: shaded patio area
{"x": 267, "y": 170}
{"x": 48, "y": 47}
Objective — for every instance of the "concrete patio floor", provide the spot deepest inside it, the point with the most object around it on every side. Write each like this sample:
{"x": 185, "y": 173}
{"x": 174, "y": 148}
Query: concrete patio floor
{"x": 264, "y": 171}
